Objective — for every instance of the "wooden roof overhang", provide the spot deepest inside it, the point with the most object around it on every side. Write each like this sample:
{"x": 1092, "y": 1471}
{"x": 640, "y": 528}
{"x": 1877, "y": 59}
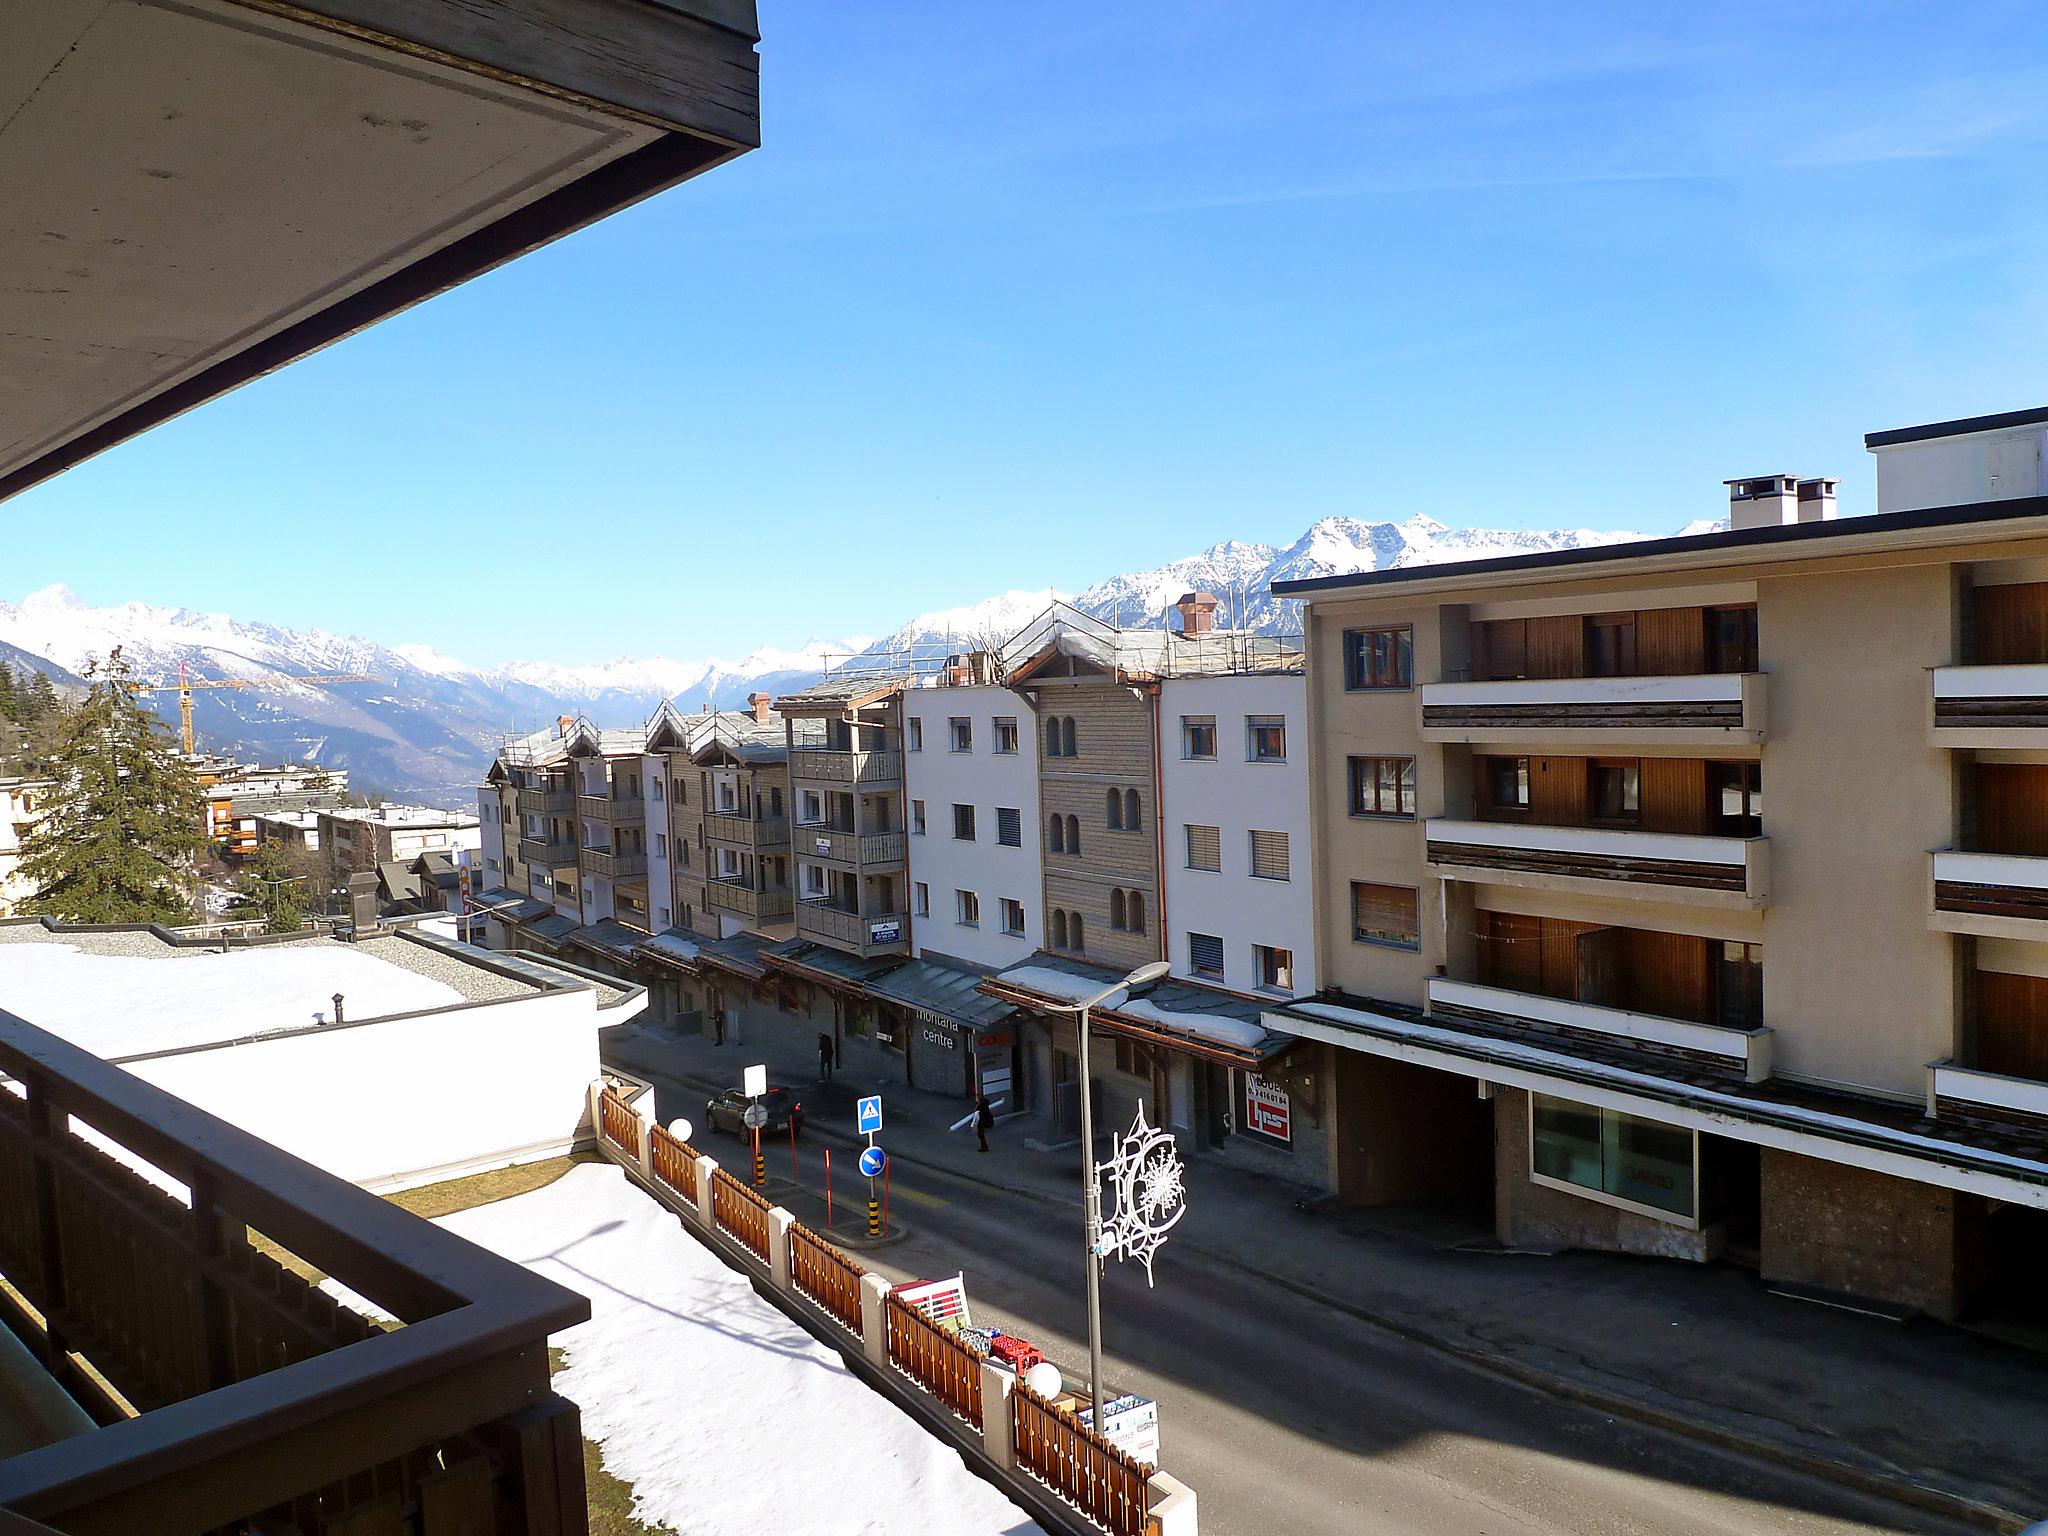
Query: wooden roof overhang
{"x": 194, "y": 193}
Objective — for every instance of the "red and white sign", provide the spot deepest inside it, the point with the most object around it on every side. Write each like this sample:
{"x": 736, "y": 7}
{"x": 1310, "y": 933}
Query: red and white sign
{"x": 1268, "y": 1110}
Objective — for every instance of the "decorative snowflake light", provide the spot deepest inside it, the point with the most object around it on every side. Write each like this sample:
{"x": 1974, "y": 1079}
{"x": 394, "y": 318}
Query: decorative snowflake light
{"x": 1145, "y": 1180}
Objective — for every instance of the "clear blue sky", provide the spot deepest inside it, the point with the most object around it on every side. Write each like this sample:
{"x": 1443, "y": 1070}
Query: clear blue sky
{"x": 1016, "y": 296}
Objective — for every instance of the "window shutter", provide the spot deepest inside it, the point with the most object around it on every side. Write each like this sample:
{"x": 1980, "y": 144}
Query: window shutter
{"x": 1205, "y": 847}
{"x": 1269, "y": 855}
{"x": 1009, "y": 826}
{"x": 1386, "y": 912}
{"x": 1205, "y": 954}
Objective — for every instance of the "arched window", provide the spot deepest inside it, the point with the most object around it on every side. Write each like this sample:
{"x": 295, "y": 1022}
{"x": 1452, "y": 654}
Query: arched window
{"x": 1052, "y": 737}
{"x": 1073, "y": 834}
{"x": 1067, "y": 737}
{"x": 1074, "y": 932}
{"x": 1116, "y": 810}
{"x": 1056, "y": 835}
{"x": 1059, "y": 927}
{"x": 1116, "y": 909}
{"x": 1134, "y": 912}
{"x": 1133, "y": 822}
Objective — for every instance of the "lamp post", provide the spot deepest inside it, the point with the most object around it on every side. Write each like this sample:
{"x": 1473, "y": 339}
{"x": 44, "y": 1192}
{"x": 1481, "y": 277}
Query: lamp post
{"x": 1091, "y": 1196}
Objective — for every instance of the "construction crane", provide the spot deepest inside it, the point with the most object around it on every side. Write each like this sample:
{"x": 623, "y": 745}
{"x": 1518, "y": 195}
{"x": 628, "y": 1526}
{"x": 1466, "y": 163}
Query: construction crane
{"x": 184, "y": 688}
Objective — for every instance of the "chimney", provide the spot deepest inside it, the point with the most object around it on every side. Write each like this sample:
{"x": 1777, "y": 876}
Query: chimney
{"x": 337, "y": 1008}
{"x": 1197, "y": 612}
{"x": 1762, "y": 501}
{"x": 759, "y": 703}
{"x": 563, "y": 722}
{"x": 1817, "y": 500}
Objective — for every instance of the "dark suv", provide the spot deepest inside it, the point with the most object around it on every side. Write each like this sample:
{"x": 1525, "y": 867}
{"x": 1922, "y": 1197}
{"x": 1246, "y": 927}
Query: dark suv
{"x": 727, "y": 1113}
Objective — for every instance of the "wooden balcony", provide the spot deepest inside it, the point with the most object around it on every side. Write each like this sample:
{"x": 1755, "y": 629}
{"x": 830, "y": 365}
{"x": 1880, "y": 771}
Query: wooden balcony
{"x": 602, "y": 861}
{"x": 260, "y": 1398}
{"x": 744, "y": 901}
{"x": 1745, "y": 1053}
{"x": 873, "y": 934}
{"x": 1690, "y": 870}
{"x": 1996, "y": 895}
{"x": 822, "y": 766}
{"x": 612, "y": 810}
{"x": 1711, "y": 709}
{"x": 1989, "y": 707}
{"x": 747, "y": 831}
{"x": 852, "y": 850}
{"x": 554, "y": 853}
{"x": 545, "y": 802}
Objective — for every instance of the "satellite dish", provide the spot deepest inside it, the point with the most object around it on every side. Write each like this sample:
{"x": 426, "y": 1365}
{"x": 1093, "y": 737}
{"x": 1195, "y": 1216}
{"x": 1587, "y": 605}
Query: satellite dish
{"x": 679, "y": 1128}
{"x": 1044, "y": 1379}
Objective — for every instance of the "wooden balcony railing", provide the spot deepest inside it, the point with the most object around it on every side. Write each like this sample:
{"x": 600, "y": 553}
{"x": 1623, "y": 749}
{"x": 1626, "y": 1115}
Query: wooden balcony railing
{"x": 850, "y": 848}
{"x": 602, "y": 861}
{"x": 934, "y": 1359}
{"x": 553, "y": 852}
{"x": 746, "y": 831}
{"x": 745, "y": 901}
{"x": 619, "y": 1123}
{"x": 825, "y": 1275}
{"x": 546, "y": 802}
{"x": 740, "y": 1212}
{"x": 674, "y": 1162}
{"x": 612, "y": 810}
{"x": 261, "y": 1399}
{"x": 877, "y": 933}
{"x": 821, "y": 765}
{"x": 1106, "y": 1484}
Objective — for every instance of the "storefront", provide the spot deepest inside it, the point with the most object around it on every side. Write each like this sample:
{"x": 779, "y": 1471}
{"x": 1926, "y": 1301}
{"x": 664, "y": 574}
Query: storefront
{"x": 738, "y": 986}
{"x": 503, "y": 911}
{"x": 675, "y": 989}
{"x": 833, "y": 989}
{"x": 611, "y": 947}
{"x": 547, "y": 934}
{"x": 955, "y": 1039}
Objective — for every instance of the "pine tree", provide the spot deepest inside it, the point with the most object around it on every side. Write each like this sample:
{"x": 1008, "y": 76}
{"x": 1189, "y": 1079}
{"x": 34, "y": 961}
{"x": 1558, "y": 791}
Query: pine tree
{"x": 275, "y": 887}
{"x": 124, "y": 819}
{"x": 39, "y": 699}
{"x": 9, "y": 709}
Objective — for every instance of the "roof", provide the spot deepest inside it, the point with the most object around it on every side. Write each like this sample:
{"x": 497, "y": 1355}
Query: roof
{"x": 950, "y": 991}
{"x": 846, "y": 690}
{"x": 1185, "y": 1015}
{"x": 396, "y": 878}
{"x": 2036, "y": 417}
{"x": 551, "y": 929}
{"x": 743, "y": 739}
{"x": 673, "y": 945}
{"x": 1804, "y": 539}
{"x": 608, "y": 936}
{"x": 821, "y": 962}
{"x": 509, "y": 906}
{"x": 744, "y": 954}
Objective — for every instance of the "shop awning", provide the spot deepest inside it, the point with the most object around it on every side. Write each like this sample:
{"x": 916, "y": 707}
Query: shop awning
{"x": 821, "y": 963}
{"x": 949, "y": 993}
{"x": 554, "y": 929}
{"x": 508, "y": 906}
{"x": 610, "y": 938}
{"x": 672, "y": 946}
{"x": 744, "y": 955}
{"x": 1182, "y": 1015}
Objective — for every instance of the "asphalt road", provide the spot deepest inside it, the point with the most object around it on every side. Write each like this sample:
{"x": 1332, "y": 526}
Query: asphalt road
{"x": 1289, "y": 1417}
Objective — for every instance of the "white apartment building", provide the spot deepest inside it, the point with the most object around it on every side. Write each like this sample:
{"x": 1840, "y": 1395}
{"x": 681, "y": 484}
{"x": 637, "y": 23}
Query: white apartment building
{"x": 21, "y": 807}
{"x": 361, "y": 836}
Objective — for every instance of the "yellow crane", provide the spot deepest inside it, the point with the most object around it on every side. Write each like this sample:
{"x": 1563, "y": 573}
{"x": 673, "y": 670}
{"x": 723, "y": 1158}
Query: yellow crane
{"x": 185, "y": 686}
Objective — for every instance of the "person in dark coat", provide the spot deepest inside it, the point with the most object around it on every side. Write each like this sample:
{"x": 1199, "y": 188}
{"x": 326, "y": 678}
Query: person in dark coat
{"x": 824, "y": 1055}
{"x": 984, "y": 1119}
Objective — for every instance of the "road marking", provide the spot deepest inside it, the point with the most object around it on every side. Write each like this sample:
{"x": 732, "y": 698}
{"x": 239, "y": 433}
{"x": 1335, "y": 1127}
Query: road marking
{"x": 918, "y": 1197}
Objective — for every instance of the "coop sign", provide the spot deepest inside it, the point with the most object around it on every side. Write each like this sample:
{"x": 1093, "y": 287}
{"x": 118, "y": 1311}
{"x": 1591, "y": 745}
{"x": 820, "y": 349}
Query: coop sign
{"x": 1268, "y": 1110}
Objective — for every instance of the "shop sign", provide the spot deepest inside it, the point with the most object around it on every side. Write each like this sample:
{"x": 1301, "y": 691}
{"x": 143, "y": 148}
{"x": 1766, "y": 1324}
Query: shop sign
{"x": 1268, "y": 1110}
{"x": 888, "y": 932}
{"x": 942, "y": 1037}
{"x": 1131, "y": 1424}
{"x": 994, "y": 1040}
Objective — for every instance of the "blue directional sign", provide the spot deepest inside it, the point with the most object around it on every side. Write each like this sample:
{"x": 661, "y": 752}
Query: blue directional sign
{"x": 868, "y": 1115}
{"x": 872, "y": 1161}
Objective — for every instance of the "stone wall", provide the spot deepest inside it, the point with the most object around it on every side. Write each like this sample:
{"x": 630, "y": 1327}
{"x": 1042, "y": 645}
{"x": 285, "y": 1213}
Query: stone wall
{"x": 1527, "y": 1214}
{"x": 1868, "y": 1234}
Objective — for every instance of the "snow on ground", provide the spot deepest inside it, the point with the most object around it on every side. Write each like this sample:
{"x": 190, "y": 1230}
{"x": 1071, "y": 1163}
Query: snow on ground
{"x": 118, "y": 1005}
{"x": 726, "y": 1417}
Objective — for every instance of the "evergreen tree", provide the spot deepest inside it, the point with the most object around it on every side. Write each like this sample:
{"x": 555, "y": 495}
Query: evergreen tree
{"x": 275, "y": 887}
{"x": 9, "y": 709}
{"x": 124, "y": 819}
{"x": 39, "y": 699}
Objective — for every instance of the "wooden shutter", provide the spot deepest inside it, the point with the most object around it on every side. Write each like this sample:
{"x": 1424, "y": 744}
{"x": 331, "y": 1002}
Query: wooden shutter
{"x": 1385, "y": 912}
{"x": 1205, "y": 847}
{"x": 1269, "y": 855}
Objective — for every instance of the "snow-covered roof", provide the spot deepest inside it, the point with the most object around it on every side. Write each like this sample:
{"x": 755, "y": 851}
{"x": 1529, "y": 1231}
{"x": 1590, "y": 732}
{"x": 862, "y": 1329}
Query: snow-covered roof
{"x": 1186, "y": 1009}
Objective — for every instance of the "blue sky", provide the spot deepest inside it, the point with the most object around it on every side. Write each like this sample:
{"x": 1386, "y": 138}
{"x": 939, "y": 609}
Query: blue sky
{"x": 1017, "y": 296}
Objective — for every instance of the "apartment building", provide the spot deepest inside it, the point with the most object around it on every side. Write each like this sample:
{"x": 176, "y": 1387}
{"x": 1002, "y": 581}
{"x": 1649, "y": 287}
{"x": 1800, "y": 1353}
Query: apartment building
{"x": 1574, "y": 959}
{"x": 611, "y": 823}
{"x": 237, "y": 794}
{"x": 21, "y": 807}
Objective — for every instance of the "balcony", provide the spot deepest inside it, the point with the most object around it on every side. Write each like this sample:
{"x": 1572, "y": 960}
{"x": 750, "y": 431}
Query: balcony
{"x": 1712, "y": 709}
{"x": 874, "y": 934}
{"x": 851, "y": 849}
{"x": 554, "y": 853}
{"x": 1997, "y": 895}
{"x": 255, "y": 1390}
{"x": 612, "y": 810}
{"x": 1674, "y": 867}
{"x": 2017, "y": 1101}
{"x": 545, "y": 802}
{"x": 823, "y": 766}
{"x": 747, "y": 831}
{"x": 1744, "y": 1053}
{"x": 1989, "y": 707}
{"x": 602, "y": 861}
{"x": 744, "y": 901}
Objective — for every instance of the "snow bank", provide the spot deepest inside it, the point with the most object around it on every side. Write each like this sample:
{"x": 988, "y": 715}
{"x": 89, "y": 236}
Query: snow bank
{"x": 1205, "y": 1026}
{"x": 726, "y": 1417}
{"x": 1052, "y": 983}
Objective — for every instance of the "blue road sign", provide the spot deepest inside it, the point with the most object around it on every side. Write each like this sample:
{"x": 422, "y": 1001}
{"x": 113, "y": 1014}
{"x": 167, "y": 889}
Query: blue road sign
{"x": 868, "y": 1115}
{"x": 872, "y": 1161}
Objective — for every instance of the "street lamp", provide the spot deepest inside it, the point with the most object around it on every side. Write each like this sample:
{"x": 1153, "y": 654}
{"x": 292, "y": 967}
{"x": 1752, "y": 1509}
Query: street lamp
{"x": 1143, "y": 976}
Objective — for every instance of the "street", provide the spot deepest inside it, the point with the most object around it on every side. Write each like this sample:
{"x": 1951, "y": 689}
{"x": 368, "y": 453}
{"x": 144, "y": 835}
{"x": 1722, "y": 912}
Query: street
{"x": 1289, "y": 1416}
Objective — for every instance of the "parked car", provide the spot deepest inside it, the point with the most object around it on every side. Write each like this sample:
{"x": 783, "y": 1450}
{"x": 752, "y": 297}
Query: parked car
{"x": 728, "y": 1111}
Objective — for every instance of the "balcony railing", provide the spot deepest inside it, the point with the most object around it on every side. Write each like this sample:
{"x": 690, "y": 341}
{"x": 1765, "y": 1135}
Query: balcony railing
{"x": 824, "y": 766}
{"x": 612, "y": 810}
{"x": 874, "y": 934}
{"x": 745, "y": 901}
{"x": 1704, "y": 709}
{"x": 1990, "y": 893}
{"x": 1954, "y": 1090}
{"x": 1746, "y": 1052}
{"x": 602, "y": 861}
{"x": 1713, "y": 869}
{"x": 546, "y": 802}
{"x": 747, "y": 831}
{"x": 258, "y": 1393}
{"x": 850, "y": 848}
{"x": 553, "y": 852}
{"x": 1990, "y": 706}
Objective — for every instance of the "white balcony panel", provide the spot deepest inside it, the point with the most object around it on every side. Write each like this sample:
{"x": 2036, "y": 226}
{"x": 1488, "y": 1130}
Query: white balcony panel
{"x": 1749, "y": 1049}
{"x": 2021, "y": 1095}
{"x": 2019, "y": 682}
{"x": 1679, "y": 867}
{"x": 1600, "y": 842}
{"x": 1708, "y": 688}
{"x": 1712, "y": 708}
{"x": 2012, "y": 871}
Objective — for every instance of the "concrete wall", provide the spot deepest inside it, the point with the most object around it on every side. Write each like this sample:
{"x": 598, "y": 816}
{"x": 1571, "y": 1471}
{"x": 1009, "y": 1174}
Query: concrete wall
{"x": 986, "y": 780}
{"x": 1847, "y": 1229}
{"x": 1236, "y": 795}
{"x": 1950, "y": 471}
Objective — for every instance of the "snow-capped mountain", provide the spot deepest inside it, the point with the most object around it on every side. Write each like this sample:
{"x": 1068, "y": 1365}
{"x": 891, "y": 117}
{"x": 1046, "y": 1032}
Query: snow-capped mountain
{"x": 427, "y": 727}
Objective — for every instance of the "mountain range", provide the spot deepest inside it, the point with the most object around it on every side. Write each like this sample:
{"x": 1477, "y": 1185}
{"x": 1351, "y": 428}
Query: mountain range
{"x": 426, "y": 729}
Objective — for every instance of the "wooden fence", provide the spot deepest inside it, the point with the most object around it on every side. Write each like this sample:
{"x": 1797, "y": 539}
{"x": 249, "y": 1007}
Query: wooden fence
{"x": 825, "y": 1275}
{"x": 675, "y": 1163}
{"x": 1107, "y": 1485}
{"x": 936, "y": 1360}
{"x": 740, "y": 1212}
{"x": 619, "y": 1124}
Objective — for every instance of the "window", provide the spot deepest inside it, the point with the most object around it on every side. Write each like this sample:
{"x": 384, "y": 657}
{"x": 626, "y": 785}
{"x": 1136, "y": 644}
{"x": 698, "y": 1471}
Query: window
{"x": 655, "y": 784}
{"x": 917, "y": 817}
{"x": 661, "y": 916}
{"x": 1379, "y": 658}
{"x": 814, "y": 881}
{"x": 1006, "y": 736}
{"x": 922, "y": 900}
{"x": 1274, "y": 967}
{"x": 1197, "y": 736}
{"x": 1738, "y": 985}
{"x": 1075, "y": 939}
{"x": 1116, "y": 810}
{"x": 1052, "y": 737}
{"x": 1382, "y": 786}
{"x": 1013, "y": 916}
{"x": 1067, "y": 748}
{"x": 1056, "y": 834}
{"x": 1134, "y": 821}
{"x": 1731, "y": 639}
{"x": 1736, "y": 798}
{"x": 959, "y": 735}
{"x": 1616, "y": 791}
{"x": 1205, "y": 955}
{"x": 1385, "y": 914}
{"x": 963, "y": 823}
{"x": 1133, "y": 1058}
{"x": 1134, "y": 911}
{"x": 1614, "y": 1158}
{"x": 1265, "y": 738}
{"x": 1507, "y": 783}
{"x": 1059, "y": 929}
{"x": 967, "y": 909}
{"x": 1116, "y": 909}
{"x": 1205, "y": 847}
{"x": 915, "y": 727}
{"x": 684, "y": 850}
{"x": 1269, "y": 855}
{"x": 1009, "y": 826}
{"x": 661, "y": 845}
{"x": 811, "y": 808}
{"x": 1074, "y": 835}
{"x": 1611, "y": 645}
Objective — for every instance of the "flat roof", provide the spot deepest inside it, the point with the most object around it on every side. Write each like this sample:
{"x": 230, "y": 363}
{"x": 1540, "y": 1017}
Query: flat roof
{"x": 1706, "y": 545}
{"x": 1960, "y": 427}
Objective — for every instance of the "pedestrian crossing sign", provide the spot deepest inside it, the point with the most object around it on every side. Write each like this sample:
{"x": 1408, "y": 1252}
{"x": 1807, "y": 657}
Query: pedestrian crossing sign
{"x": 868, "y": 1115}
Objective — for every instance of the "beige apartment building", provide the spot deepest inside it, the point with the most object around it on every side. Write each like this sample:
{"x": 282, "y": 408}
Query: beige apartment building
{"x": 1709, "y": 913}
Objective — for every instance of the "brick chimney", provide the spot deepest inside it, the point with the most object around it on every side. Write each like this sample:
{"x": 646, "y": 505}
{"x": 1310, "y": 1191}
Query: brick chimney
{"x": 1197, "y": 612}
{"x": 563, "y": 722}
{"x": 760, "y": 704}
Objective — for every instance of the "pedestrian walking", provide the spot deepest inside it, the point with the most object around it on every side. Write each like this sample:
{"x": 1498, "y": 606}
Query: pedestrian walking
{"x": 984, "y": 1119}
{"x": 824, "y": 1056}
